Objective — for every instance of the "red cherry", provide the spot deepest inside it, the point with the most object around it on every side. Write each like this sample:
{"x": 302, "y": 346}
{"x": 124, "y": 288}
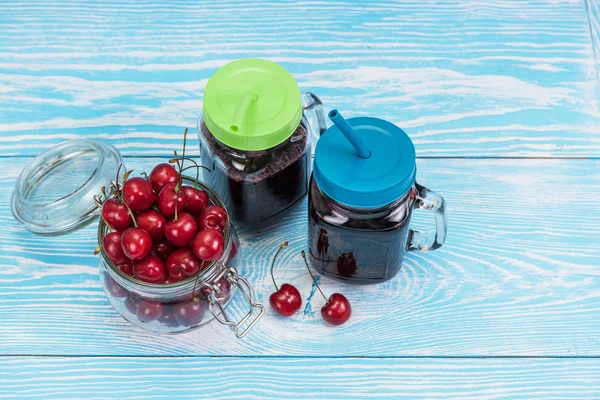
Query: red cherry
{"x": 132, "y": 302}
{"x": 346, "y": 265}
{"x": 136, "y": 243}
{"x": 138, "y": 194}
{"x": 197, "y": 200}
{"x": 148, "y": 310}
{"x": 189, "y": 313}
{"x": 153, "y": 222}
{"x": 286, "y": 301}
{"x": 214, "y": 217}
{"x": 181, "y": 231}
{"x": 114, "y": 289}
{"x": 151, "y": 269}
{"x": 172, "y": 279}
{"x": 337, "y": 310}
{"x": 323, "y": 242}
{"x": 126, "y": 267}
{"x": 168, "y": 199}
{"x": 162, "y": 250}
{"x": 204, "y": 293}
{"x": 116, "y": 215}
{"x": 209, "y": 245}
{"x": 224, "y": 291}
{"x": 162, "y": 175}
{"x": 111, "y": 244}
{"x": 182, "y": 264}
{"x": 234, "y": 249}
{"x": 168, "y": 316}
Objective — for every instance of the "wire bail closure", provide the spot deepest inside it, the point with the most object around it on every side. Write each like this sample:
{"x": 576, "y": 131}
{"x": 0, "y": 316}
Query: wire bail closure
{"x": 244, "y": 287}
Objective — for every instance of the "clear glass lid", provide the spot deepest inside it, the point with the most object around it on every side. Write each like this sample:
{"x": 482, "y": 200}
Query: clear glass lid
{"x": 54, "y": 194}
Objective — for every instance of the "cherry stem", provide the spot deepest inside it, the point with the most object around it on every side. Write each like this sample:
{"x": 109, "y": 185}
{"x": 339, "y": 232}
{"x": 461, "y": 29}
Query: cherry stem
{"x": 132, "y": 216}
{"x": 195, "y": 166}
{"x": 313, "y": 277}
{"x": 173, "y": 160}
{"x": 176, "y": 203}
{"x": 178, "y": 185}
{"x": 183, "y": 154}
{"x": 196, "y": 299}
{"x": 117, "y": 180}
{"x": 283, "y": 245}
{"x": 125, "y": 177}
{"x": 176, "y": 159}
{"x": 103, "y": 190}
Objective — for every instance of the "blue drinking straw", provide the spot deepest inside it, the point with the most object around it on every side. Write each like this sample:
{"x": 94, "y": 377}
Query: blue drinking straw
{"x": 342, "y": 124}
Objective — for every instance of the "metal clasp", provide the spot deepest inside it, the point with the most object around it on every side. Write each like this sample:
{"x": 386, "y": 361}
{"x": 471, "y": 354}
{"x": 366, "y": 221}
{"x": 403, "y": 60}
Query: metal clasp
{"x": 246, "y": 290}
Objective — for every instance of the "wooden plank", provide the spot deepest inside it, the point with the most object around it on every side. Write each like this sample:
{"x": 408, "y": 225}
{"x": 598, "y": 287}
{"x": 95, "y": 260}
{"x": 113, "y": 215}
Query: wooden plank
{"x": 593, "y": 11}
{"x": 475, "y": 78}
{"x": 306, "y": 378}
{"x": 519, "y": 275}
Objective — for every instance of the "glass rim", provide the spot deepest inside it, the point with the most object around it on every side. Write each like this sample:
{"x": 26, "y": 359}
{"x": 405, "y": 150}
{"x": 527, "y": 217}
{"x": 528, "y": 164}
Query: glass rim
{"x": 303, "y": 121}
{"x": 38, "y": 160}
{"x": 363, "y": 211}
{"x": 49, "y": 162}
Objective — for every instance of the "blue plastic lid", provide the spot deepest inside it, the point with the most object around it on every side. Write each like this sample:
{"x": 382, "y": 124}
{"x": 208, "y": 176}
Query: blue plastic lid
{"x": 387, "y": 175}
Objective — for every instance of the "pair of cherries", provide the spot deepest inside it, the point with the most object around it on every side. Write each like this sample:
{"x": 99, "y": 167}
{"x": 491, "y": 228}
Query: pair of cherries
{"x": 286, "y": 300}
{"x": 164, "y": 232}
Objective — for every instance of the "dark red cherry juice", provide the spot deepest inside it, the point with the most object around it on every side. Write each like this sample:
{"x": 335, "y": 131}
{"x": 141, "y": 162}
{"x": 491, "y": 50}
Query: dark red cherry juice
{"x": 365, "y": 246}
{"x": 257, "y": 185}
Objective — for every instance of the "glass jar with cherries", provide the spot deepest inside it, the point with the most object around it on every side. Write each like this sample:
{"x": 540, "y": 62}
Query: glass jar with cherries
{"x": 166, "y": 242}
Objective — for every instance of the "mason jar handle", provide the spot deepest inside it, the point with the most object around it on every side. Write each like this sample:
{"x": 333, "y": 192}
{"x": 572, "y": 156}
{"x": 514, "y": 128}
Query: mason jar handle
{"x": 430, "y": 240}
{"x": 244, "y": 287}
{"x": 311, "y": 103}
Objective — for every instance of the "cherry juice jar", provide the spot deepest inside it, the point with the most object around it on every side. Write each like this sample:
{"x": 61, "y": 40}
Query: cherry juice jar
{"x": 361, "y": 198}
{"x": 255, "y": 139}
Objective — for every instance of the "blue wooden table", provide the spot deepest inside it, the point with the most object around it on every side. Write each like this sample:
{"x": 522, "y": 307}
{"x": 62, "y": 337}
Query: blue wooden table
{"x": 501, "y": 99}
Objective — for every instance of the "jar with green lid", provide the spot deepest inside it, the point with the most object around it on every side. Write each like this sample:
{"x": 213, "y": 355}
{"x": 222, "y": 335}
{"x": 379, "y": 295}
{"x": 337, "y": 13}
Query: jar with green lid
{"x": 255, "y": 139}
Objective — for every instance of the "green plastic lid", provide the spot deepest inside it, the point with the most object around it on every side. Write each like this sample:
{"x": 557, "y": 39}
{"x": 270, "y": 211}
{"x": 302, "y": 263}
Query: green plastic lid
{"x": 252, "y": 104}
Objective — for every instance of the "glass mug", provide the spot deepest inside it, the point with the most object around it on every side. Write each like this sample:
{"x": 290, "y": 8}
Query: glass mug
{"x": 255, "y": 139}
{"x": 368, "y": 245}
{"x": 361, "y": 198}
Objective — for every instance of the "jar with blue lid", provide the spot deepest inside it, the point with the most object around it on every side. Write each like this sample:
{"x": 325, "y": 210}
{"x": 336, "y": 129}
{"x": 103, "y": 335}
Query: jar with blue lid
{"x": 361, "y": 198}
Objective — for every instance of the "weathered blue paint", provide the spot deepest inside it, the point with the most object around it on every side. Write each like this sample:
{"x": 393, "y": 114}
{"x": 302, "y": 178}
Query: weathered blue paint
{"x": 519, "y": 274}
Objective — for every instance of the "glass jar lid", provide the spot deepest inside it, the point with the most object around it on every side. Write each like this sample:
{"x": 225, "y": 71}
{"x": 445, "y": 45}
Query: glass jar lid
{"x": 54, "y": 194}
